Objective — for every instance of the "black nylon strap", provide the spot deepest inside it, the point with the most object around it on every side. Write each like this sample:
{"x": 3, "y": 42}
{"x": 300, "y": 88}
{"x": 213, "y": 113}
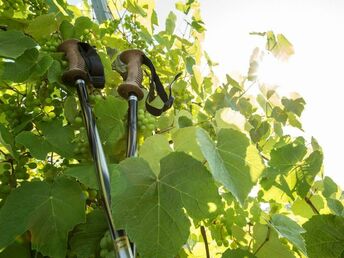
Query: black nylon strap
{"x": 155, "y": 85}
{"x": 94, "y": 65}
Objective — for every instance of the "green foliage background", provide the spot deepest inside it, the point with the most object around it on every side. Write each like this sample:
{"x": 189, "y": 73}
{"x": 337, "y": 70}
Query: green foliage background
{"x": 217, "y": 173}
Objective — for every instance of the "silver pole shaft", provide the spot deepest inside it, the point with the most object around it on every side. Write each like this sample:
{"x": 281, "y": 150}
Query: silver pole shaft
{"x": 121, "y": 243}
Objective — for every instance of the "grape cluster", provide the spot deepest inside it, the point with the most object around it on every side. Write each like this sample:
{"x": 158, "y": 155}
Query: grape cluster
{"x": 36, "y": 7}
{"x": 133, "y": 27}
{"x": 51, "y": 44}
{"x": 15, "y": 171}
{"x": 106, "y": 246}
{"x": 11, "y": 5}
{"x": 146, "y": 122}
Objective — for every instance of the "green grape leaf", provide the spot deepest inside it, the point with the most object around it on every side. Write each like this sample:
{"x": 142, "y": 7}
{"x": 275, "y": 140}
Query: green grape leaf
{"x": 238, "y": 253}
{"x": 22, "y": 68}
{"x": 17, "y": 250}
{"x": 170, "y": 23}
{"x": 6, "y": 139}
{"x": 189, "y": 62}
{"x": 14, "y": 43}
{"x": 289, "y": 229}
{"x": 133, "y": 7}
{"x": 154, "y": 149}
{"x": 280, "y": 115}
{"x": 150, "y": 207}
{"x": 301, "y": 208}
{"x": 234, "y": 162}
{"x": 198, "y": 26}
{"x": 229, "y": 118}
{"x": 267, "y": 244}
{"x": 70, "y": 108}
{"x": 85, "y": 174}
{"x": 324, "y": 236}
{"x": 42, "y": 26}
{"x": 233, "y": 82}
{"x": 67, "y": 30}
{"x": 86, "y": 237}
{"x": 305, "y": 174}
{"x": 284, "y": 158}
{"x": 185, "y": 139}
{"x": 295, "y": 106}
{"x": 45, "y": 212}
{"x": 336, "y": 206}
{"x": 81, "y": 24}
{"x": 42, "y": 65}
{"x": 110, "y": 112}
{"x": 37, "y": 145}
{"x": 330, "y": 187}
{"x": 59, "y": 137}
{"x": 294, "y": 121}
{"x": 54, "y": 72}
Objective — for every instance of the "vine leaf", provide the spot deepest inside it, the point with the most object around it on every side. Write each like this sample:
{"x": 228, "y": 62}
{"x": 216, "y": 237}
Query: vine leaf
{"x": 324, "y": 236}
{"x": 42, "y": 26}
{"x": 150, "y": 207}
{"x": 14, "y": 43}
{"x": 86, "y": 237}
{"x": 184, "y": 139}
{"x": 238, "y": 253}
{"x": 45, "y": 212}
{"x": 234, "y": 162}
{"x": 22, "y": 68}
{"x": 289, "y": 229}
{"x": 38, "y": 147}
{"x": 267, "y": 243}
{"x": 6, "y": 139}
{"x": 154, "y": 149}
{"x": 86, "y": 174}
{"x": 110, "y": 112}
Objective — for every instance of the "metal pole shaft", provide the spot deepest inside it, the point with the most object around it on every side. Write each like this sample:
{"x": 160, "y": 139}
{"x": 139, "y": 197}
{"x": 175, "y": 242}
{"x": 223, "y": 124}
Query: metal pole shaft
{"x": 132, "y": 126}
{"x": 121, "y": 242}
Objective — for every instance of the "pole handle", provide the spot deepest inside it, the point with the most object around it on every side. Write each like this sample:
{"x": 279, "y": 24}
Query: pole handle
{"x": 77, "y": 66}
{"x": 133, "y": 60}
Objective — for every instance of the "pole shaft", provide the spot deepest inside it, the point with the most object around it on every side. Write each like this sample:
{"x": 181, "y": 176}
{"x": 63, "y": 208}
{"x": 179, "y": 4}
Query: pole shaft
{"x": 132, "y": 126}
{"x": 121, "y": 242}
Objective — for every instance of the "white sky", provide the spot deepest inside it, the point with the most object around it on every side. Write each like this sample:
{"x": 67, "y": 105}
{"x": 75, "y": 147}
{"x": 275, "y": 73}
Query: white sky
{"x": 315, "y": 28}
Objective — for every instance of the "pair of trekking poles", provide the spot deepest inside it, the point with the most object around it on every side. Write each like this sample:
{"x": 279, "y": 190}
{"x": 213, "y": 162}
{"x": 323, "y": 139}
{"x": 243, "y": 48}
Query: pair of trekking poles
{"x": 85, "y": 68}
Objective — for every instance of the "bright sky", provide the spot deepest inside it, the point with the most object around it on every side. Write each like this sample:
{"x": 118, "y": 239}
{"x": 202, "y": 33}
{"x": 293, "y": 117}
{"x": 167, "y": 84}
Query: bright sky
{"x": 315, "y": 29}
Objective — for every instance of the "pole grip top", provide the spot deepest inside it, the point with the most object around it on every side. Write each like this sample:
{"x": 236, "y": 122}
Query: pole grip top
{"x": 133, "y": 60}
{"x": 77, "y": 66}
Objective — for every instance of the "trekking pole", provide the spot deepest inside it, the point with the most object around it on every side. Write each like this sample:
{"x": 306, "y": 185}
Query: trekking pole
{"x": 130, "y": 89}
{"x": 77, "y": 74}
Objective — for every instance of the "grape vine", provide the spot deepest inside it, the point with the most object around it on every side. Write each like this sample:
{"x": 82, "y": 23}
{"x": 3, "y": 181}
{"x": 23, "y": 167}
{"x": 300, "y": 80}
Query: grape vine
{"x": 217, "y": 175}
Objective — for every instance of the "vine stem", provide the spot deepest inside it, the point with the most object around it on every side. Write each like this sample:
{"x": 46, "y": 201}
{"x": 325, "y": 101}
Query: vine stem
{"x": 264, "y": 242}
{"x": 314, "y": 209}
{"x": 204, "y": 236}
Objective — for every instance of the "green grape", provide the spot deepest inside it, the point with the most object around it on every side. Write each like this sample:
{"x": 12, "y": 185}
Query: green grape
{"x": 92, "y": 194}
{"x": 146, "y": 122}
{"x": 78, "y": 120}
{"x": 86, "y": 195}
{"x": 106, "y": 246}
{"x": 32, "y": 165}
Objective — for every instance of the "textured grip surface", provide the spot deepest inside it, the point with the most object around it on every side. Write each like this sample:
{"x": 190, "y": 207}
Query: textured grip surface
{"x": 133, "y": 77}
{"x": 77, "y": 66}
